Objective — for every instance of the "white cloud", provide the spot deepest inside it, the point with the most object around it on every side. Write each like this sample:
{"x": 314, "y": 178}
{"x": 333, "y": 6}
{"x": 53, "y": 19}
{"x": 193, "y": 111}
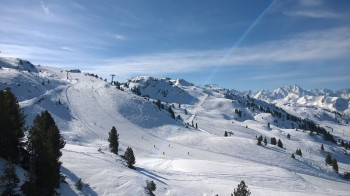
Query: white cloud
{"x": 45, "y": 7}
{"x": 312, "y": 13}
{"x": 311, "y": 3}
{"x": 312, "y": 47}
{"x": 307, "y": 47}
{"x": 119, "y": 37}
{"x": 66, "y": 48}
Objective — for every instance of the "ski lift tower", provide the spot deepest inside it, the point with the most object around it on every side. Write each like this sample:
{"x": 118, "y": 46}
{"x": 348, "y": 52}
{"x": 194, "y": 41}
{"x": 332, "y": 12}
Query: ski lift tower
{"x": 67, "y": 70}
{"x": 112, "y": 78}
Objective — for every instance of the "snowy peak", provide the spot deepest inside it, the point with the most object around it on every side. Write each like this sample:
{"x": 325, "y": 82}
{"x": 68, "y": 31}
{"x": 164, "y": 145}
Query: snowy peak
{"x": 338, "y": 101}
{"x": 164, "y": 89}
{"x": 279, "y": 93}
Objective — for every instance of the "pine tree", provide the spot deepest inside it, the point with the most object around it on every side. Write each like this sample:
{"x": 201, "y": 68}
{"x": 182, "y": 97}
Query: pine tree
{"x": 273, "y": 141}
{"x": 12, "y": 121}
{"x": 288, "y": 136}
{"x": 79, "y": 184}
{"x": 129, "y": 157}
{"x": 335, "y": 165}
{"x": 159, "y": 104}
{"x": 9, "y": 179}
{"x": 151, "y": 186}
{"x": 113, "y": 140}
{"x": 225, "y": 134}
{"x": 171, "y": 112}
{"x": 29, "y": 187}
{"x": 279, "y": 144}
{"x": 44, "y": 145}
{"x": 328, "y": 159}
{"x": 242, "y": 190}
{"x": 298, "y": 152}
{"x": 265, "y": 141}
{"x": 268, "y": 125}
{"x": 293, "y": 156}
{"x": 186, "y": 112}
{"x": 259, "y": 140}
{"x": 322, "y": 148}
{"x": 196, "y": 126}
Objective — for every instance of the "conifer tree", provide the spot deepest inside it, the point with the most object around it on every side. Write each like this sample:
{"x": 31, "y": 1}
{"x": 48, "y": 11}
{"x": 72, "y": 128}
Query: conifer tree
{"x": 335, "y": 165}
{"x": 29, "y": 187}
{"x": 328, "y": 159}
{"x": 288, "y": 136}
{"x": 265, "y": 141}
{"x": 293, "y": 156}
{"x": 44, "y": 145}
{"x": 298, "y": 152}
{"x": 322, "y": 148}
{"x": 196, "y": 126}
{"x": 79, "y": 185}
{"x": 151, "y": 186}
{"x": 279, "y": 144}
{"x": 159, "y": 104}
{"x": 273, "y": 141}
{"x": 9, "y": 179}
{"x": 113, "y": 140}
{"x": 171, "y": 112}
{"x": 12, "y": 121}
{"x": 225, "y": 134}
{"x": 129, "y": 157}
{"x": 259, "y": 140}
{"x": 242, "y": 190}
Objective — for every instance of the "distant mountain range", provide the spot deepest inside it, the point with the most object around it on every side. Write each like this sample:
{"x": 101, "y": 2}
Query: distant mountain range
{"x": 334, "y": 101}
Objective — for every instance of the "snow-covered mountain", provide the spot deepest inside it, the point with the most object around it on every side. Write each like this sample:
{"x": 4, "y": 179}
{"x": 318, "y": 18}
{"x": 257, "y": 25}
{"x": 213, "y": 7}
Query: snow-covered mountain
{"x": 180, "y": 158}
{"x": 334, "y": 101}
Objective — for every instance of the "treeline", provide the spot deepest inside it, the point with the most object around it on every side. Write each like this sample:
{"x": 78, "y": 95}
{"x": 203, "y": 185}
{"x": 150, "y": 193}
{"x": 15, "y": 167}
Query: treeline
{"x": 39, "y": 154}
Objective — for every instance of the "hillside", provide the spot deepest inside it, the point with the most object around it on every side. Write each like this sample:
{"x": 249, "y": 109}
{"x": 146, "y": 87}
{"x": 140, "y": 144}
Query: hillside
{"x": 181, "y": 159}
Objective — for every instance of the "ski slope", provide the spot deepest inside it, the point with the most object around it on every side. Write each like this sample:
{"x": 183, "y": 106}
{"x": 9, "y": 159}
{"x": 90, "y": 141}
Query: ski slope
{"x": 181, "y": 159}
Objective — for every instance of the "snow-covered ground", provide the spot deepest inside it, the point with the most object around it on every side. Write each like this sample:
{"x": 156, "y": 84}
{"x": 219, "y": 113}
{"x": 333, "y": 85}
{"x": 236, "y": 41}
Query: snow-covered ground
{"x": 181, "y": 159}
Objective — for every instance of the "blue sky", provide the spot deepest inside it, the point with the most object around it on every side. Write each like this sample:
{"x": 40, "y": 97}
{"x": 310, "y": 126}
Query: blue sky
{"x": 236, "y": 44}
